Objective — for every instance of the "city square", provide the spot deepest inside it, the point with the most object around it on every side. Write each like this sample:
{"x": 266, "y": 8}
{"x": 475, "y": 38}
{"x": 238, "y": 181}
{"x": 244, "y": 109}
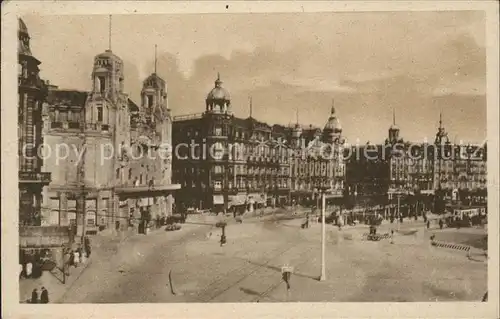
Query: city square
{"x": 143, "y": 182}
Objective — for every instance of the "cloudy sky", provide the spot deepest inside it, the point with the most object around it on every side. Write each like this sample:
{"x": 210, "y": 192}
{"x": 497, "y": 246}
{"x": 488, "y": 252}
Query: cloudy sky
{"x": 418, "y": 63}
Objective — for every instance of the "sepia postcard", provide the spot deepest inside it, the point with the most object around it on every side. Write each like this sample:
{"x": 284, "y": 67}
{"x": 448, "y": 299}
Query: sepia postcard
{"x": 245, "y": 159}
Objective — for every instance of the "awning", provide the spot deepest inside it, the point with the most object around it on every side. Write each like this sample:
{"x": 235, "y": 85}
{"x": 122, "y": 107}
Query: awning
{"x": 218, "y": 199}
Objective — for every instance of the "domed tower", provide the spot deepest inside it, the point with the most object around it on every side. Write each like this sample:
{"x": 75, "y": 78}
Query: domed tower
{"x": 393, "y": 130}
{"x": 218, "y": 99}
{"x": 107, "y": 75}
{"x": 333, "y": 129}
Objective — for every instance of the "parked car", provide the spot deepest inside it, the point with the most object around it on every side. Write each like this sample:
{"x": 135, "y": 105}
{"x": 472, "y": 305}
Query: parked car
{"x": 176, "y": 218}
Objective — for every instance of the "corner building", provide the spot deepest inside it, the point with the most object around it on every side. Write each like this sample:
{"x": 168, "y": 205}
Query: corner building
{"x": 239, "y": 164}
{"x": 103, "y": 129}
{"x": 32, "y": 92}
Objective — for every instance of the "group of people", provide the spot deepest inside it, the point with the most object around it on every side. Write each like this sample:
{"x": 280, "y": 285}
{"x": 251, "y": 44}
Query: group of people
{"x": 74, "y": 257}
{"x": 42, "y": 298}
{"x": 30, "y": 265}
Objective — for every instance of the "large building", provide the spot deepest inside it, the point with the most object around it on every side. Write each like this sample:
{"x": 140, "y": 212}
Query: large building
{"x": 414, "y": 174}
{"x": 224, "y": 162}
{"x": 32, "y": 92}
{"x": 118, "y": 162}
{"x": 317, "y": 162}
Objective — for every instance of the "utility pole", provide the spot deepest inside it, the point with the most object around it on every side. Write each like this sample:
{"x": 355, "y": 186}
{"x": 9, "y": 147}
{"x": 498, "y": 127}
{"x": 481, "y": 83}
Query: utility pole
{"x": 398, "y": 214}
{"x": 82, "y": 211}
{"x": 323, "y": 238}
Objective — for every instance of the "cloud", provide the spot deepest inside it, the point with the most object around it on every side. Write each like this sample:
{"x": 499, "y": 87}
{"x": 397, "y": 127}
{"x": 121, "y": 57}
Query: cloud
{"x": 369, "y": 62}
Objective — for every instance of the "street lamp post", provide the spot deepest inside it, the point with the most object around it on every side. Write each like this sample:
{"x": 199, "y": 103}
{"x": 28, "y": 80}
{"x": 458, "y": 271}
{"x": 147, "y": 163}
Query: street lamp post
{"x": 323, "y": 238}
{"x": 398, "y": 213}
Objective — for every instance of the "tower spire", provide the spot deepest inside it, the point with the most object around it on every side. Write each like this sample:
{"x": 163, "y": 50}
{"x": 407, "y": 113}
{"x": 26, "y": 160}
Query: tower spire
{"x": 155, "y": 57}
{"x": 333, "y": 107}
{"x": 109, "y": 32}
{"x": 440, "y": 119}
{"x": 297, "y": 114}
{"x": 394, "y": 116}
{"x": 251, "y": 106}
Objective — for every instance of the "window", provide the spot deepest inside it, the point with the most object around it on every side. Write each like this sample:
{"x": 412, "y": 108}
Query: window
{"x": 129, "y": 173}
{"x": 117, "y": 173}
{"x": 99, "y": 114}
{"x": 150, "y": 100}
{"x": 102, "y": 83}
{"x": 218, "y": 131}
{"x": 217, "y": 184}
{"x": 90, "y": 222}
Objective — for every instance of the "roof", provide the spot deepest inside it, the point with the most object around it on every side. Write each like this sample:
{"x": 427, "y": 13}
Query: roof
{"x": 219, "y": 93}
{"x": 109, "y": 55}
{"x": 155, "y": 81}
{"x": 68, "y": 97}
{"x": 132, "y": 106}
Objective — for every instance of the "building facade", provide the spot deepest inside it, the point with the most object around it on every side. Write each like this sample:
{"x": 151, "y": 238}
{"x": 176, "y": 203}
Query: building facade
{"x": 224, "y": 162}
{"x": 32, "y": 91}
{"x": 112, "y": 171}
{"x": 414, "y": 174}
{"x": 317, "y": 162}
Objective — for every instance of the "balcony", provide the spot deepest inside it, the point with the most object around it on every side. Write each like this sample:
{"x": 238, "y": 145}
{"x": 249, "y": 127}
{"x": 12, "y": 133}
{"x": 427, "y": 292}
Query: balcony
{"x": 35, "y": 177}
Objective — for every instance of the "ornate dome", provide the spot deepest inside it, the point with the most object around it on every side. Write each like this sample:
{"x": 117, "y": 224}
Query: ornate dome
{"x": 394, "y": 127}
{"x": 108, "y": 54}
{"x": 218, "y": 92}
{"x": 333, "y": 123}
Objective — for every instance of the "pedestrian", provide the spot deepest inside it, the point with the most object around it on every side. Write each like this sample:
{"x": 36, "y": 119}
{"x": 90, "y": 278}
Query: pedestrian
{"x": 76, "y": 258}
{"x": 440, "y": 224}
{"x": 21, "y": 270}
{"x": 428, "y": 224}
{"x": 29, "y": 269}
{"x": 34, "y": 296}
{"x": 44, "y": 296}
{"x": 223, "y": 236}
{"x": 67, "y": 262}
{"x": 83, "y": 255}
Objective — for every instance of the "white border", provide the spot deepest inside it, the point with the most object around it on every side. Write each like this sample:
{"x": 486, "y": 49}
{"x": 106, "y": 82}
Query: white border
{"x": 11, "y": 307}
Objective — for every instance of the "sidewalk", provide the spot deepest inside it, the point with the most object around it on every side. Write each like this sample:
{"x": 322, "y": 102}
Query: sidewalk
{"x": 103, "y": 244}
{"x": 52, "y": 281}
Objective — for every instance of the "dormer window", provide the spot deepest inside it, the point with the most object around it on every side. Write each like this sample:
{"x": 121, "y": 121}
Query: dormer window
{"x": 102, "y": 83}
{"x": 99, "y": 114}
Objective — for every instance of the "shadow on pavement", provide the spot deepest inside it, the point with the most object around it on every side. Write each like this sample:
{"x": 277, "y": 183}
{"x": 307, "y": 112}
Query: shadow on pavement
{"x": 250, "y": 291}
{"x": 204, "y": 224}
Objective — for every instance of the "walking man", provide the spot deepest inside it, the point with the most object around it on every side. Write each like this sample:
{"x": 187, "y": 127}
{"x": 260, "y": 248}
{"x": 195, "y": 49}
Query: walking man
{"x": 29, "y": 269}
{"x": 34, "y": 296}
{"x": 76, "y": 258}
{"x": 44, "y": 297}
